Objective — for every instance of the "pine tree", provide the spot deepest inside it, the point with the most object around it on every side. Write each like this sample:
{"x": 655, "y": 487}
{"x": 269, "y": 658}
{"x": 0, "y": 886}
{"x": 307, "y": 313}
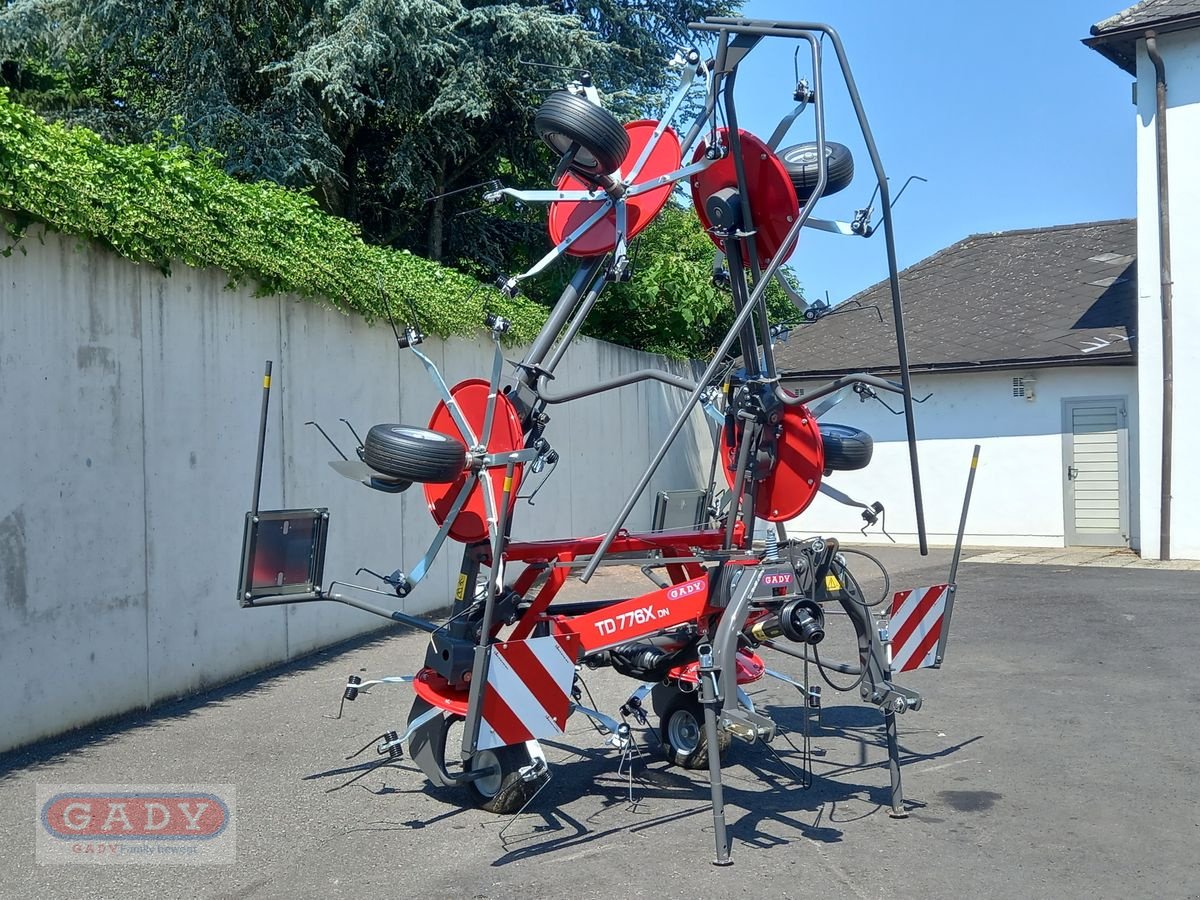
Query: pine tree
{"x": 374, "y": 106}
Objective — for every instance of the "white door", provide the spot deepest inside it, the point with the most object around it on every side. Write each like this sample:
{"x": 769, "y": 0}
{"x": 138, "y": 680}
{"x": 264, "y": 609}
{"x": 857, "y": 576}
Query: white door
{"x": 1095, "y": 451}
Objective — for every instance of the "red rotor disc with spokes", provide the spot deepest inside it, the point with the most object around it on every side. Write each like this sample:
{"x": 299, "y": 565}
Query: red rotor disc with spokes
{"x": 796, "y": 477}
{"x": 773, "y": 202}
{"x": 567, "y": 215}
{"x": 471, "y": 396}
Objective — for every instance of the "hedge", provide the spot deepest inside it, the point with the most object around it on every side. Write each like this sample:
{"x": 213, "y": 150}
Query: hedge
{"x": 159, "y": 204}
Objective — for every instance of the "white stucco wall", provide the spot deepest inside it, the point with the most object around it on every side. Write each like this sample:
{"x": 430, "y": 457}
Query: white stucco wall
{"x": 1018, "y": 493}
{"x": 1181, "y": 58}
{"x": 130, "y": 405}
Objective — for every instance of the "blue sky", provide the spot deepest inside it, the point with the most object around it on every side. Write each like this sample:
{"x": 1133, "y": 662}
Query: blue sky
{"x": 1014, "y": 122}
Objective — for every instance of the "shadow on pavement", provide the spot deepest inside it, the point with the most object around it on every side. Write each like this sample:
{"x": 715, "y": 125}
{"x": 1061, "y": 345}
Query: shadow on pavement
{"x": 92, "y": 738}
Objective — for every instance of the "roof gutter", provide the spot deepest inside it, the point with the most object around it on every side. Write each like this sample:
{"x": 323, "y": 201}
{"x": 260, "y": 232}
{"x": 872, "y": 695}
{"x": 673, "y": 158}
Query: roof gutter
{"x": 1119, "y": 45}
{"x": 1112, "y": 359}
{"x": 1164, "y": 262}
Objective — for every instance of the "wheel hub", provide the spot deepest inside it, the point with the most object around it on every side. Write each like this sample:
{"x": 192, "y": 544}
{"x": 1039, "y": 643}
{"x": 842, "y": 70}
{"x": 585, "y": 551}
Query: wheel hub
{"x": 684, "y": 731}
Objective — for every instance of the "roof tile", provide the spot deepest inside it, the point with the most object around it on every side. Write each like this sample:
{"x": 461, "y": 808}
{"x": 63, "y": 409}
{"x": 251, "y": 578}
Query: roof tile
{"x": 1035, "y": 296}
{"x": 1148, "y": 12}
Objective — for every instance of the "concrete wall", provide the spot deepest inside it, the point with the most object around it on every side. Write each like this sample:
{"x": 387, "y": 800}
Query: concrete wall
{"x": 1181, "y": 59}
{"x": 1019, "y": 487}
{"x": 130, "y": 405}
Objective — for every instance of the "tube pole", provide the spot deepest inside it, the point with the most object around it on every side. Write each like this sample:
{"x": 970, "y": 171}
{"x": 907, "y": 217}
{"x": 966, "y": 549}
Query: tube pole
{"x": 262, "y": 438}
{"x": 1164, "y": 265}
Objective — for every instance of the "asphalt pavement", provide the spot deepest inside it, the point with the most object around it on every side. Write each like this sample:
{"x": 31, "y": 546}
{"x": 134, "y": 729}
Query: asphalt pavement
{"x": 1055, "y": 755}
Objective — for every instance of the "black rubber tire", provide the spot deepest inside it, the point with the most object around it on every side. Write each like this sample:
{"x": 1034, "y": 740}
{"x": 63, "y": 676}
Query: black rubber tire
{"x": 504, "y": 792}
{"x": 681, "y": 727}
{"x": 800, "y": 160}
{"x": 566, "y": 119}
{"x": 414, "y": 454}
{"x": 846, "y": 448}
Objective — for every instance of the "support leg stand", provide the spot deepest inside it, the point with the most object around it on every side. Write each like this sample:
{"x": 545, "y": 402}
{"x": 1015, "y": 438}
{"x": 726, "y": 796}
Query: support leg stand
{"x": 710, "y": 699}
{"x": 889, "y": 725}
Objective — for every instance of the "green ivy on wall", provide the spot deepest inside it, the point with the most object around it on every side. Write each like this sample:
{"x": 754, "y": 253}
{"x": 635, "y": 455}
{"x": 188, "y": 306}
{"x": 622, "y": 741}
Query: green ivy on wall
{"x": 162, "y": 204}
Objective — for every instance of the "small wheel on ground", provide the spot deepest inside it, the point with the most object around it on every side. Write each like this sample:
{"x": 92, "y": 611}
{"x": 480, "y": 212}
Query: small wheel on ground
{"x": 566, "y": 120}
{"x": 681, "y": 724}
{"x": 800, "y": 161}
{"x": 503, "y": 790}
{"x": 414, "y": 454}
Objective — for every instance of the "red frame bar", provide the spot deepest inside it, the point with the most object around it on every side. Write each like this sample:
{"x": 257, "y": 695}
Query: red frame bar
{"x": 591, "y": 625}
{"x": 637, "y": 617}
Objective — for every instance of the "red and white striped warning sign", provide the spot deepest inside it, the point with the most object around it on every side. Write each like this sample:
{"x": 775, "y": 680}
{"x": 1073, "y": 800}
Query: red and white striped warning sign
{"x": 528, "y": 693}
{"x": 916, "y": 625}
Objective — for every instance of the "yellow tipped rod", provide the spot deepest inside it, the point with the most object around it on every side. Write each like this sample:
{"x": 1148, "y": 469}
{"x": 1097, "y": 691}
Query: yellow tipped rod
{"x": 944, "y": 636}
{"x": 262, "y": 438}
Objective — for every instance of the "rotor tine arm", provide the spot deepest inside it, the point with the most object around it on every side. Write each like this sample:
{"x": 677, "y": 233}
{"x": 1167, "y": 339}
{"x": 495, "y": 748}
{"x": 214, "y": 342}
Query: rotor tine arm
{"x": 328, "y": 438}
{"x": 795, "y": 296}
{"x": 685, "y": 84}
{"x": 464, "y": 427}
{"x": 352, "y": 431}
{"x": 559, "y": 249}
{"x": 493, "y": 390}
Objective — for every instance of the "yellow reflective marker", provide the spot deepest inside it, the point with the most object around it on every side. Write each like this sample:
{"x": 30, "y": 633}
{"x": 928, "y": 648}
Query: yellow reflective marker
{"x": 508, "y": 479}
{"x": 266, "y": 381}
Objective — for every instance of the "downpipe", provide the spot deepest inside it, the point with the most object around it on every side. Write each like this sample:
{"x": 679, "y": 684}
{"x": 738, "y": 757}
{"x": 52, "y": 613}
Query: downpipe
{"x": 1164, "y": 265}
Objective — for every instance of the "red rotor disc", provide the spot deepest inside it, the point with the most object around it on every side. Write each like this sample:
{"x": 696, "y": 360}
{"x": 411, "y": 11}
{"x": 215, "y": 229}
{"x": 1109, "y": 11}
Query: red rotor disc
{"x": 470, "y": 525}
{"x": 773, "y": 202}
{"x": 750, "y": 668}
{"x": 433, "y": 688}
{"x": 567, "y": 215}
{"x": 800, "y": 460}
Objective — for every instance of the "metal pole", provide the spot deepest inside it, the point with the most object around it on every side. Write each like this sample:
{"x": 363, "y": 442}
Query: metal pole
{"x": 710, "y": 700}
{"x": 395, "y": 615}
{"x": 262, "y": 438}
{"x": 750, "y": 434}
{"x": 893, "y": 747}
{"x": 479, "y": 670}
{"x": 581, "y": 313}
{"x": 1164, "y": 263}
{"x": 962, "y": 520}
{"x": 738, "y": 262}
{"x": 738, "y": 290}
{"x": 944, "y": 633}
{"x": 583, "y": 277}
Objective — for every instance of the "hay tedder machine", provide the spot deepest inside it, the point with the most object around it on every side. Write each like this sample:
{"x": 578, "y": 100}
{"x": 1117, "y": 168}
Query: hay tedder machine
{"x": 505, "y": 665}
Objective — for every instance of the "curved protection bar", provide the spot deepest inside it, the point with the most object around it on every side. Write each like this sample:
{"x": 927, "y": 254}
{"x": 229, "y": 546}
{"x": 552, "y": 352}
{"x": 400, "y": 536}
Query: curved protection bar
{"x": 795, "y": 30}
{"x": 834, "y": 386}
{"x": 741, "y": 320}
{"x": 620, "y": 381}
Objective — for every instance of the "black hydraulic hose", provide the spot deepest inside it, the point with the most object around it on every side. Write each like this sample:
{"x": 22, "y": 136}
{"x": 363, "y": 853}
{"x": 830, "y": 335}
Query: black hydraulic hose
{"x": 844, "y": 668}
{"x": 711, "y": 499}
{"x": 750, "y": 430}
{"x": 837, "y": 687}
{"x": 887, "y": 579}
